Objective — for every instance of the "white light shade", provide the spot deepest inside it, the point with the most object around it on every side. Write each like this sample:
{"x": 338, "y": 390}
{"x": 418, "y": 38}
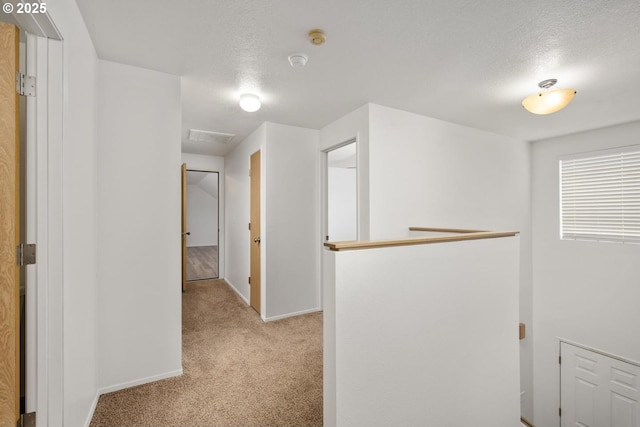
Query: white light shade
{"x": 250, "y": 102}
{"x": 548, "y": 102}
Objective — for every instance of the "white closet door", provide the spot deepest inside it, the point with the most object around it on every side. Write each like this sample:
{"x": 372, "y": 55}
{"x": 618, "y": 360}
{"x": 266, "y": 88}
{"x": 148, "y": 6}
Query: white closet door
{"x": 597, "y": 390}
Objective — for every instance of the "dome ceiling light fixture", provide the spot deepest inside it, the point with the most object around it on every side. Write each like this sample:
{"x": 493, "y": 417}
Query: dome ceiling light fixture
{"x": 548, "y": 101}
{"x": 250, "y": 102}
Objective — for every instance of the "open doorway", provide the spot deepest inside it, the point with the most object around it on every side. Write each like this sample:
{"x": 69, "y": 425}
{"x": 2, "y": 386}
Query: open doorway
{"x": 203, "y": 204}
{"x": 341, "y": 193}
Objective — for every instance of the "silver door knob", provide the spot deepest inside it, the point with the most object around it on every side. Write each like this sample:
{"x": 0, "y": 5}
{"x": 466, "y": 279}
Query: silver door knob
{"x": 256, "y": 240}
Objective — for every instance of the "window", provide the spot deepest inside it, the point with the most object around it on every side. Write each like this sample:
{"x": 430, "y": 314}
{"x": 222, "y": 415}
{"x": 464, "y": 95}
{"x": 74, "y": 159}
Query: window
{"x": 600, "y": 196}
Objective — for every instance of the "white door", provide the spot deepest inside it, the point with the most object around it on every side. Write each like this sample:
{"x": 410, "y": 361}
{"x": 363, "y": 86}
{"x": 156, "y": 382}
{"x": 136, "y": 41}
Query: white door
{"x": 597, "y": 390}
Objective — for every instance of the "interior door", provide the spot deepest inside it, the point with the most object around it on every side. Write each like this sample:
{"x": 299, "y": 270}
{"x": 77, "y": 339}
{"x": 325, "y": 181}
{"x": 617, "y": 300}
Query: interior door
{"x": 255, "y": 232}
{"x": 598, "y": 390}
{"x": 184, "y": 226}
{"x": 9, "y": 228}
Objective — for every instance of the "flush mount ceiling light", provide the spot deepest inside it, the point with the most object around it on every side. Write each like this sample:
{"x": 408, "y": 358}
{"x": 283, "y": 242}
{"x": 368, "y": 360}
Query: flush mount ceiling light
{"x": 298, "y": 60}
{"x": 548, "y": 101}
{"x": 249, "y": 102}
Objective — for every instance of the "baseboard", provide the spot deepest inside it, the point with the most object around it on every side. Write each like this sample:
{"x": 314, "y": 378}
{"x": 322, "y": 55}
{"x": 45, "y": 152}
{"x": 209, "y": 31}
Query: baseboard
{"x": 234, "y": 289}
{"x": 297, "y": 313}
{"x": 92, "y": 409}
{"x": 525, "y": 423}
{"x": 128, "y": 384}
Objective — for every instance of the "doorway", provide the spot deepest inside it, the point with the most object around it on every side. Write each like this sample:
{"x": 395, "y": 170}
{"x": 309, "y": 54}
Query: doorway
{"x": 202, "y": 225}
{"x": 342, "y": 193}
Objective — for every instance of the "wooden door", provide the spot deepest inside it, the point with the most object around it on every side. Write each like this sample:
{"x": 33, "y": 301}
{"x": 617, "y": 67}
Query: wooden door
{"x": 597, "y": 390}
{"x": 184, "y": 226}
{"x": 255, "y": 232}
{"x": 9, "y": 228}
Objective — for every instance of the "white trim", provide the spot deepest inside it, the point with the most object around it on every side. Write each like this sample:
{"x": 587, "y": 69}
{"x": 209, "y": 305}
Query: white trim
{"x": 297, "y": 313}
{"x": 92, "y": 409}
{"x": 50, "y": 223}
{"x": 31, "y": 222}
{"x": 596, "y": 350}
{"x": 122, "y": 386}
{"x": 129, "y": 384}
{"x": 234, "y": 289}
{"x": 39, "y": 24}
{"x": 44, "y": 219}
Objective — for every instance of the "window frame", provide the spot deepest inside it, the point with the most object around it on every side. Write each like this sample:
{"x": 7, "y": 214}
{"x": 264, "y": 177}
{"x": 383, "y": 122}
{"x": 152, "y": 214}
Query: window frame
{"x": 615, "y": 201}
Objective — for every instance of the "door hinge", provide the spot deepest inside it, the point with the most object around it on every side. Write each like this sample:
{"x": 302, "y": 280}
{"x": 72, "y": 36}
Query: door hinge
{"x": 26, "y": 254}
{"x": 27, "y": 420}
{"x": 25, "y": 85}
{"x": 560, "y": 360}
{"x": 249, "y": 226}
{"x": 559, "y": 412}
{"x": 249, "y": 279}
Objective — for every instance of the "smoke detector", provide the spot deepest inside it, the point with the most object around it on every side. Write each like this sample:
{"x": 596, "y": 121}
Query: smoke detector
{"x": 298, "y": 60}
{"x": 317, "y": 37}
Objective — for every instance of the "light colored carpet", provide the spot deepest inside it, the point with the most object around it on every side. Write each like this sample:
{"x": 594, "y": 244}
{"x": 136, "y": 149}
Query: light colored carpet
{"x": 238, "y": 371}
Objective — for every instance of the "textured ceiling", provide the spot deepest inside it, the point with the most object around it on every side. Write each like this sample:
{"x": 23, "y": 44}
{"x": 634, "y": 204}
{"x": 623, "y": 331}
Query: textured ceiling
{"x": 463, "y": 61}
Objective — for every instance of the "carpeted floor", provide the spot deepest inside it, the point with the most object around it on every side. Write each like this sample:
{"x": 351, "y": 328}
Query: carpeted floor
{"x": 238, "y": 371}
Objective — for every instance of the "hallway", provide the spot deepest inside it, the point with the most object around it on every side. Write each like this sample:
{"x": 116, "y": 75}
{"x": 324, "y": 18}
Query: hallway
{"x": 238, "y": 371}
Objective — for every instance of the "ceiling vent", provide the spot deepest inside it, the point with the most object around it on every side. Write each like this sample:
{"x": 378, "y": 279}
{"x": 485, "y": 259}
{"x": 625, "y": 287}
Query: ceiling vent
{"x": 206, "y": 136}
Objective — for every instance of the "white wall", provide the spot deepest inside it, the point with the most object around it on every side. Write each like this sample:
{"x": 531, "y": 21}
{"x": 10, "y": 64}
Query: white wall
{"x": 585, "y": 292}
{"x": 420, "y": 171}
{"x": 78, "y": 369}
{"x": 139, "y": 298}
{"x": 291, "y": 238}
{"x": 213, "y": 164}
{"x": 431, "y": 173}
{"x": 289, "y": 219}
{"x": 202, "y": 216}
{"x": 342, "y": 204}
{"x": 427, "y": 172}
{"x": 422, "y": 335}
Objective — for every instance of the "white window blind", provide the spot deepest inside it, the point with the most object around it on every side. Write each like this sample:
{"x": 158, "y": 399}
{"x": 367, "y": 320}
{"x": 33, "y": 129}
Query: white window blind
{"x": 600, "y": 196}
